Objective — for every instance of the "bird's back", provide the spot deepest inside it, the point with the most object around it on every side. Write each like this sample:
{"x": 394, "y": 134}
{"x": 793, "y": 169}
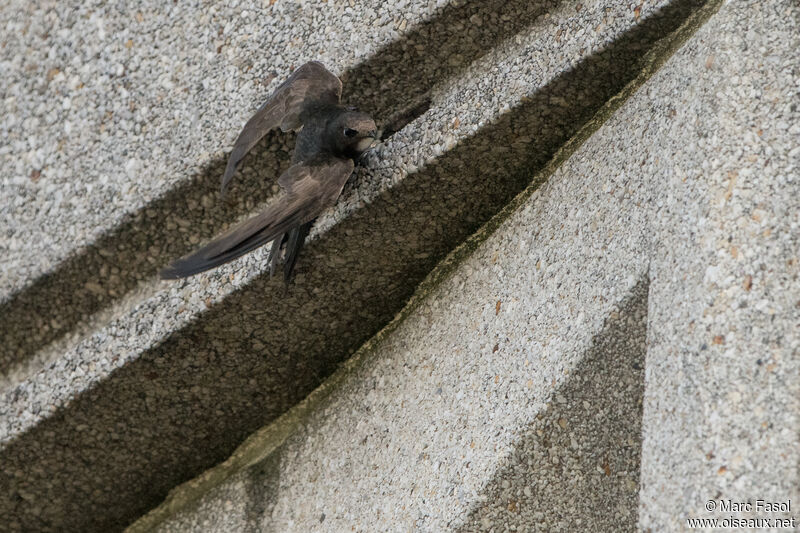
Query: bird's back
{"x": 311, "y": 141}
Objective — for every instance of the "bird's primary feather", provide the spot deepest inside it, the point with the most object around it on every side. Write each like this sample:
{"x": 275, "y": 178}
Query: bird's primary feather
{"x": 309, "y": 188}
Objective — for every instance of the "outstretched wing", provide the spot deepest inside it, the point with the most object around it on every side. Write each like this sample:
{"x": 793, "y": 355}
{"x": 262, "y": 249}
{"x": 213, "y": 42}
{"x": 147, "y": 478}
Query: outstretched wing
{"x": 310, "y": 188}
{"x": 308, "y": 85}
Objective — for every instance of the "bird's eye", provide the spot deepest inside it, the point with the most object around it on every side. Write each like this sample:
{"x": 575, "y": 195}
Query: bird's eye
{"x": 350, "y": 132}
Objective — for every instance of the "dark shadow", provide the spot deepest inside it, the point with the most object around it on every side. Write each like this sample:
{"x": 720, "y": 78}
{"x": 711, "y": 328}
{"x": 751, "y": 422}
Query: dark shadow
{"x": 404, "y": 117}
{"x": 115, "y": 450}
{"x": 397, "y": 78}
{"x": 403, "y": 73}
{"x": 576, "y": 468}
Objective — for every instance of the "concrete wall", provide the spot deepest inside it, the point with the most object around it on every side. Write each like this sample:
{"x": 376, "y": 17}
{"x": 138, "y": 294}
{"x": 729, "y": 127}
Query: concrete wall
{"x": 615, "y": 345}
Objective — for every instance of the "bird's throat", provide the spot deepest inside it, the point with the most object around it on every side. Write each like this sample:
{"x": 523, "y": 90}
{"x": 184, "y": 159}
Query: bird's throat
{"x": 364, "y": 144}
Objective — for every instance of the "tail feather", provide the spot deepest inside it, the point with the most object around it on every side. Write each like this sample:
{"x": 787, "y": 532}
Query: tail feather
{"x": 197, "y": 262}
{"x": 310, "y": 187}
{"x": 293, "y": 246}
{"x": 275, "y": 254}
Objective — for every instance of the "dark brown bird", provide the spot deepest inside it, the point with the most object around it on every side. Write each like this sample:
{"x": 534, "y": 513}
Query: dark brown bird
{"x": 332, "y": 136}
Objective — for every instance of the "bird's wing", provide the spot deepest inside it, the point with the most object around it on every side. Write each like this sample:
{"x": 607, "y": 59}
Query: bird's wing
{"x": 309, "y": 85}
{"x": 310, "y": 188}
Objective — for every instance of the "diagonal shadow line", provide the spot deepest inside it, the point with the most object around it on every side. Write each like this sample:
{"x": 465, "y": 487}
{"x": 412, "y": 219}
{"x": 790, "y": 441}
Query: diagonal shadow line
{"x": 116, "y": 449}
{"x": 578, "y": 463}
{"x": 397, "y": 77}
{"x": 403, "y": 72}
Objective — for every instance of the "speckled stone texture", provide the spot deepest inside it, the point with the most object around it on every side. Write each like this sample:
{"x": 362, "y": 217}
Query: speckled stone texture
{"x": 623, "y": 348}
{"x": 722, "y": 401}
{"x": 498, "y": 427}
{"x": 116, "y": 387}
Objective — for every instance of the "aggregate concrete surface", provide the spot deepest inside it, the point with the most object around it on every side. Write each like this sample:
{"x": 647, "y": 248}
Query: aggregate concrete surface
{"x": 722, "y": 400}
{"x": 118, "y": 387}
{"x": 669, "y": 239}
{"x": 475, "y": 431}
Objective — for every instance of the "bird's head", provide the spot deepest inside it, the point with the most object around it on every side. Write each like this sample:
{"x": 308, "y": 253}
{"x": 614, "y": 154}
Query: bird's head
{"x": 353, "y": 132}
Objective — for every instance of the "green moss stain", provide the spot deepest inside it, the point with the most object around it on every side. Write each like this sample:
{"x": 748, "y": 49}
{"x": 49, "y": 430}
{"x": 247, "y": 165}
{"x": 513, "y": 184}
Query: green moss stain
{"x": 265, "y": 441}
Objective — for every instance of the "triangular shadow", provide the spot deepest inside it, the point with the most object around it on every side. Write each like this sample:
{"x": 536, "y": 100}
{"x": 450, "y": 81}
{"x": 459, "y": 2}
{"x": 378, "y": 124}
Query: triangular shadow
{"x": 576, "y": 467}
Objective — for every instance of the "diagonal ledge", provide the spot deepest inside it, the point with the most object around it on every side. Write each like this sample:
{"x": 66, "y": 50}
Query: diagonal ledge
{"x": 397, "y": 76}
{"x": 261, "y": 444}
{"x": 116, "y": 449}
